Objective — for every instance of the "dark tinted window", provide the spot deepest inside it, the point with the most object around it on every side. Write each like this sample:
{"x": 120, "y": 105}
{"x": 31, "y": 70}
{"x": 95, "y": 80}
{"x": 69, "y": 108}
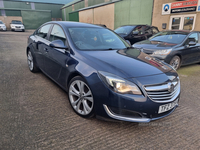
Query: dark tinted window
{"x": 147, "y": 30}
{"x": 124, "y": 29}
{"x": 57, "y": 34}
{"x": 174, "y": 37}
{"x": 1, "y": 22}
{"x": 43, "y": 31}
{"x": 140, "y": 30}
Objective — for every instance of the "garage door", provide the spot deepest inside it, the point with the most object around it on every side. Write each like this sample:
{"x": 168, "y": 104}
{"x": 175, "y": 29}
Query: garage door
{"x": 34, "y": 19}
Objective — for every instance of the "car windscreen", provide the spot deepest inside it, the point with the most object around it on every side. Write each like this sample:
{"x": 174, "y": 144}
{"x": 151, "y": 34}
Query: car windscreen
{"x": 96, "y": 39}
{"x": 175, "y": 37}
{"x": 16, "y": 22}
{"x": 124, "y": 30}
{"x": 1, "y": 22}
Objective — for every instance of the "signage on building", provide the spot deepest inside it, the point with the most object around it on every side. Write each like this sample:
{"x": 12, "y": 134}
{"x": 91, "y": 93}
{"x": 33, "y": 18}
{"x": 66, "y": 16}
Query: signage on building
{"x": 182, "y": 6}
{"x": 166, "y": 9}
{"x": 198, "y": 7}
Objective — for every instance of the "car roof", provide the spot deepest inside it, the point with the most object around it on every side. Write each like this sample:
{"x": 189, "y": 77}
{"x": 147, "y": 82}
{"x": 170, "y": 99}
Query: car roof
{"x": 74, "y": 24}
{"x": 138, "y": 25}
{"x": 186, "y": 31}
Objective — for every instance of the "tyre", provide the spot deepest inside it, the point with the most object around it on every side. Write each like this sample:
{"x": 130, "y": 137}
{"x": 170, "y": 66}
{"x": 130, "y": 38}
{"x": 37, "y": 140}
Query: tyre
{"x": 23, "y": 30}
{"x": 31, "y": 62}
{"x": 80, "y": 97}
{"x": 175, "y": 62}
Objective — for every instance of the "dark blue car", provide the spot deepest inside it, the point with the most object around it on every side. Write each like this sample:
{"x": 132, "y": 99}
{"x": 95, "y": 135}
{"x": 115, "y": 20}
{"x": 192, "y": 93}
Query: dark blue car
{"x": 102, "y": 74}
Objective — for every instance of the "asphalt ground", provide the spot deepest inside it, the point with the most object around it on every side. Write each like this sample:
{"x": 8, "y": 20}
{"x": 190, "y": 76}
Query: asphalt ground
{"x": 35, "y": 112}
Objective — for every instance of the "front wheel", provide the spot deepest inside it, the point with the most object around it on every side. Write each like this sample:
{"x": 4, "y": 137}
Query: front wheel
{"x": 80, "y": 97}
{"x": 175, "y": 62}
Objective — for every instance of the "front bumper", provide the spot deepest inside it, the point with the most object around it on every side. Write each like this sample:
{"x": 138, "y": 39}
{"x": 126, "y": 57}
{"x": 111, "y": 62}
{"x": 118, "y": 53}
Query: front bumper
{"x": 2, "y": 29}
{"x": 133, "y": 108}
{"x": 17, "y": 28}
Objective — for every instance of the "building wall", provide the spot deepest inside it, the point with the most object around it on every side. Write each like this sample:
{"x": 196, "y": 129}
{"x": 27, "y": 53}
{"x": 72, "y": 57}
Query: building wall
{"x": 86, "y": 16}
{"x": 115, "y": 15}
{"x": 105, "y": 15}
{"x": 74, "y": 16}
{"x": 158, "y": 19}
{"x": 133, "y": 12}
{"x": 99, "y": 15}
{"x": 42, "y": 11}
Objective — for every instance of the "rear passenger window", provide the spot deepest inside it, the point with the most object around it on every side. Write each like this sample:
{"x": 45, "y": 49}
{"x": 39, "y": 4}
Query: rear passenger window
{"x": 43, "y": 31}
{"x": 57, "y": 34}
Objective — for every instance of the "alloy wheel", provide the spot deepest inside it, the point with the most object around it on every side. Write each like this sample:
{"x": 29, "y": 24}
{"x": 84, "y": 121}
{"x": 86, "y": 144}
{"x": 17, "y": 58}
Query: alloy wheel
{"x": 81, "y": 98}
{"x": 30, "y": 60}
{"x": 175, "y": 62}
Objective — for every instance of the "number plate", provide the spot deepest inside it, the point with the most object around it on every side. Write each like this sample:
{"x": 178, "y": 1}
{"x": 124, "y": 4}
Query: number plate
{"x": 166, "y": 107}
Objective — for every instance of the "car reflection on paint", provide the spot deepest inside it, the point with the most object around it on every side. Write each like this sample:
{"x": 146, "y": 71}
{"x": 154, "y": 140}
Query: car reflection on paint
{"x": 102, "y": 74}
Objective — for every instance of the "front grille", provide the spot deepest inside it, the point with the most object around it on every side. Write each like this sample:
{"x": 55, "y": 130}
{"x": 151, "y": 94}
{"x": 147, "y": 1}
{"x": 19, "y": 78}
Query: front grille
{"x": 17, "y": 26}
{"x": 162, "y": 93}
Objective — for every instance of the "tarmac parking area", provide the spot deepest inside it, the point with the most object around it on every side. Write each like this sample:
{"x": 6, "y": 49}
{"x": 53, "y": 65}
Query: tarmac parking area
{"x": 35, "y": 112}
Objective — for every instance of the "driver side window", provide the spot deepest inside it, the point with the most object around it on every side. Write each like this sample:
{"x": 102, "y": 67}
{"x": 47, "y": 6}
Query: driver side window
{"x": 57, "y": 34}
{"x": 193, "y": 37}
{"x": 43, "y": 31}
{"x": 139, "y": 29}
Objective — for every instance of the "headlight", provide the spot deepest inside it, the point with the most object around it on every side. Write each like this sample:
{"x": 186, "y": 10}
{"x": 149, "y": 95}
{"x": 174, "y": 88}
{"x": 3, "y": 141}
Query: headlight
{"x": 162, "y": 52}
{"x": 12, "y": 26}
{"x": 119, "y": 84}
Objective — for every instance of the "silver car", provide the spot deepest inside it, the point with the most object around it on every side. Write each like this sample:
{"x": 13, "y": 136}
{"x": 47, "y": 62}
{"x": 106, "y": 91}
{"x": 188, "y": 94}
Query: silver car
{"x": 17, "y": 25}
{"x": 2, "y": 26}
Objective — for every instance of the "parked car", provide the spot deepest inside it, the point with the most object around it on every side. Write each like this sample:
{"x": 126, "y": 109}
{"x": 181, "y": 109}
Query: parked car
{"x": 17, "y": 25}
{"x": 136, "y": 33}
{"x": 102, "y": 75}
{"x": 2, "y": 26}
{"x": 175, "y": 47}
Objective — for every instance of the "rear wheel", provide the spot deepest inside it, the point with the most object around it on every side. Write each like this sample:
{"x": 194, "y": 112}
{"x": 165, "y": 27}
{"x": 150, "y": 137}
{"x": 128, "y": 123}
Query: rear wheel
{"x": 80, "y": 97}
{"x": 31, "y": 62}
{"x": 175, "y": 62}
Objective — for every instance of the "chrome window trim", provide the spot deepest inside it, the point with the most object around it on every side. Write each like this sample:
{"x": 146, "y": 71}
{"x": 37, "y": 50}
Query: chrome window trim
{"x": 114, "y": 116}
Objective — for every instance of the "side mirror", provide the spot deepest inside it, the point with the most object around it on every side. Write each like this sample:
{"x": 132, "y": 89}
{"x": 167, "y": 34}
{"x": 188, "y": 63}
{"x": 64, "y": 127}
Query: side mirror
{"x": 135, "y": 32}
{"x": 192, "y": 43}
{"x": 128, "y": 42}
{"x": 58, "y": 44}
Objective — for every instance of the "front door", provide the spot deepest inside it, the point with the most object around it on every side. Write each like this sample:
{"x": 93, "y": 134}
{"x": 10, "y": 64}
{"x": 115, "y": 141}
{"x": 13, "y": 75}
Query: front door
{"x": 56, "y": 59}
{"x": 191, "y": 53}
{"x": 182, "y": 22}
